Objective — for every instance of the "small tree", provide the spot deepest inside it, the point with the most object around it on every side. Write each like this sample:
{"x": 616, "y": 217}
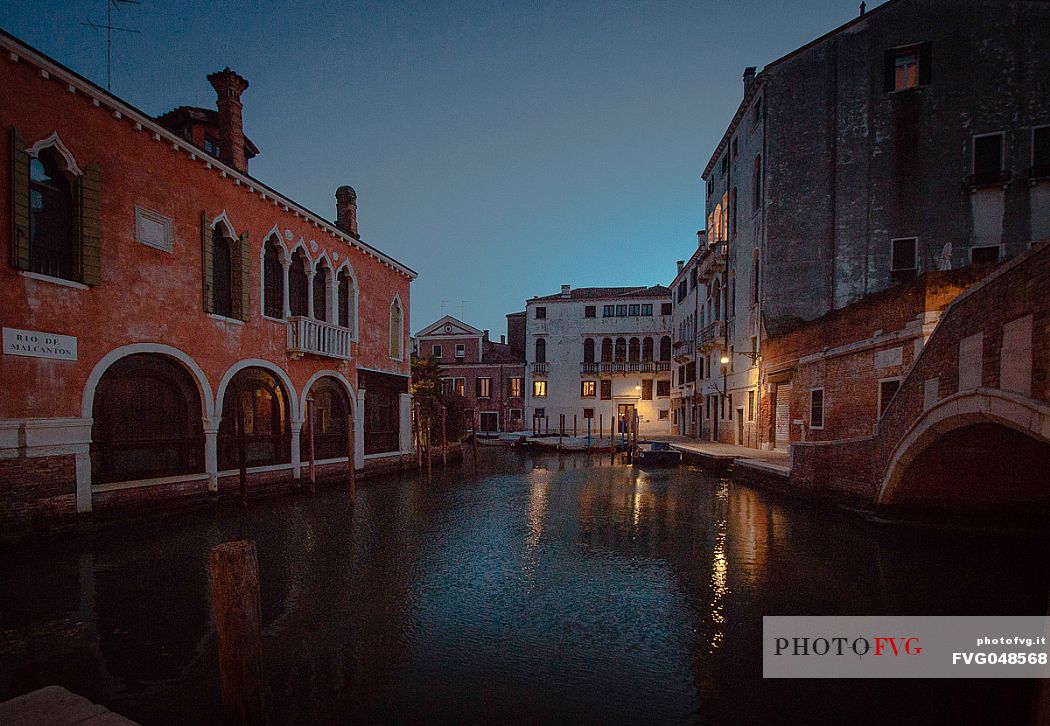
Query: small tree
{"x": 427, "y": 397}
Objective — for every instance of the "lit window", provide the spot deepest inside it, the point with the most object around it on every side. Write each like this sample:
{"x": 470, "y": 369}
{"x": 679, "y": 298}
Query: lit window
{"x": 515, "y": 388}
{"x": 484, "y": 387}
{"x": 587, "y": 389}
{"x": 460, "y": 386}
{"x": 539, "y": 389}
{"x": 906, "y": 70}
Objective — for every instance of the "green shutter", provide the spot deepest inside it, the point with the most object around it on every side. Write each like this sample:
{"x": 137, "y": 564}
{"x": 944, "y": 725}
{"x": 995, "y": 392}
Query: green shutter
{"x": 207, "y": 255}
{"x": 90, "y": 252}
{"x": 245, "y": 277}
{"x": 19, "y": 202}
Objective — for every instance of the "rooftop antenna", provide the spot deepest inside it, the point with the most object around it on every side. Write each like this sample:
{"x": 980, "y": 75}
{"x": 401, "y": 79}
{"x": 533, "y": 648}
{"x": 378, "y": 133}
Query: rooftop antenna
{"x": 109, "y": 27}
{"x": 462, "y": 305}
{"x": 443, "y": 304}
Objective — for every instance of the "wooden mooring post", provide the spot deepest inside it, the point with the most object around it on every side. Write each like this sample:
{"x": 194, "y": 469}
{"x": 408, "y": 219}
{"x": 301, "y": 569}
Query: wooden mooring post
{"x": 350, "y": 463}
{"x": 235, "y": 585}
{"x": 474, "y": 439}
{"x": 313, "y": 450}
{"x": 444, "y": 437}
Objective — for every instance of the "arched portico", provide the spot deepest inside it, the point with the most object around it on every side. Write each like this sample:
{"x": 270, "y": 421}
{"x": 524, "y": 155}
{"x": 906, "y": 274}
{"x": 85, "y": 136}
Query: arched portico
{"x": 87, "y": 404}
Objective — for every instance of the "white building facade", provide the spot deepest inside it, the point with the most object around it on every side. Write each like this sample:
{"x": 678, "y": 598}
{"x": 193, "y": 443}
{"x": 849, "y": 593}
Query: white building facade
{"x": 599, "y": 355}
{"x": 686, "y": 397}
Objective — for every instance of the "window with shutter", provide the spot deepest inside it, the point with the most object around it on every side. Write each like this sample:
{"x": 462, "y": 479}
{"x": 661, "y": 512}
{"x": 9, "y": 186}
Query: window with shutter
{"x": 90, "y": 226}
{"x": 244, "y": 276}
{"x": 207, "y": 255}
{"x": 19, "y": 202}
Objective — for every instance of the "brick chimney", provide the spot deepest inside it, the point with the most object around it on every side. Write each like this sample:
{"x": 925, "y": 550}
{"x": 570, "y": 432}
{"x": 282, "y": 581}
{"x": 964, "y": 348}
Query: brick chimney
{"x": 749, "y": 78}
{"x": 566, "y": 291}
{"x": 346, "y": 210}
{"x": 701, "y": 237}
{"x": 228, "y": 87}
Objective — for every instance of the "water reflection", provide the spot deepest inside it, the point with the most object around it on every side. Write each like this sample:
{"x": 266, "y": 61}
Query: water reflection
{"x": 548, "y": 589}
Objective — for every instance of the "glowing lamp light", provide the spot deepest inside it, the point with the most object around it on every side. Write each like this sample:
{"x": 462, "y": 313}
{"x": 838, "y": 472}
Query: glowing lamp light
{"x": 725, "y": 360}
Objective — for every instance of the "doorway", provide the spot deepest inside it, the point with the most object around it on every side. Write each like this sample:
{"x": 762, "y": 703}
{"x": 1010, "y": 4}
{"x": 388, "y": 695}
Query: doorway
{"x": 740, "y": 427}
{"x": 624, "y": 415}
{"x": 489, "y": 421}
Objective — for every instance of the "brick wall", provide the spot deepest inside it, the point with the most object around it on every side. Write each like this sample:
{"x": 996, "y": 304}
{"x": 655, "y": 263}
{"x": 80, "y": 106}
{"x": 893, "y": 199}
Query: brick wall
{"x": 839, "y": 352}
{"x": 37, "y": 493}
{"x": 854, "y": 469}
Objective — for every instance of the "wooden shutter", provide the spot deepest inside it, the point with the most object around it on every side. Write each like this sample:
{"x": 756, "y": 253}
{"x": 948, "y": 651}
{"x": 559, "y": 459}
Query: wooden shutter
{"x": 890, "y": 71}
{"x": 925, "y": 63}
{"x": 90, "y": 226}
{"x": 245, "y": 278}
{"x": 207, "y": 259}
{"x": 19, "y": 202}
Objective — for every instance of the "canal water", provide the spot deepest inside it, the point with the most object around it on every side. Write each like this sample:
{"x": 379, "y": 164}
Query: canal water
{"x": 560, "y": 589}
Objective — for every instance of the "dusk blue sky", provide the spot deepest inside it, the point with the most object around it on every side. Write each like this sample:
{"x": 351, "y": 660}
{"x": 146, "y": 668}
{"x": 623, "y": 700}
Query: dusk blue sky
{"x": 499, "y": 149}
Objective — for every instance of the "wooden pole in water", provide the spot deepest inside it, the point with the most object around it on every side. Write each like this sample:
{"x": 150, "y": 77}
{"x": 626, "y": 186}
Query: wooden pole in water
{"x": 235, "y": 584}
{"x": 350, "y": 464}
{"x": 313, "y": 451}
{"x": 574, "y": 426}
{"x": 242, "y": 449}
{"x": 444, "y": 437}
{"x": 430, "y": 458}
{"x": 588, "y": 434}
{"x": 419, "y": 440}
{"x": 601, "y": 424}
{"x": 474, "y": 439}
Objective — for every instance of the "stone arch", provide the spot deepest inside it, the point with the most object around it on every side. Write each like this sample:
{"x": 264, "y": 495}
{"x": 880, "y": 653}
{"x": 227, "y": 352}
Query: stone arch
{"x": 275, "y": 235}
{"x": 54, "y": 141}
{"x": 354, "y": 295}
{"x": 347, "y": 386}
{"x": 329, "y": 378}
{"x": 961, "y": 411}
{"x": 204, "y": 388}
{"x": 223, "y": 220}
{"x": 282, "y": 376}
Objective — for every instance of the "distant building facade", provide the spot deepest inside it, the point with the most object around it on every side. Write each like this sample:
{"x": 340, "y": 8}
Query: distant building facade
{"x": 600, "y": 355}
{"x": 914, "y": 138}
{"x": 686, "y": 395}
{"x": 165, "y": 313}
{"x": 489, "y": 375}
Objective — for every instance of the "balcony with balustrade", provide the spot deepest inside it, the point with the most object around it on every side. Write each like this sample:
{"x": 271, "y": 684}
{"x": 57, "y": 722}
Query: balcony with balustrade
{"x": 711, "y": 262}
{"x": 307, "y": 336}
{"x": 539, "y": 369}
{"x": 682, "y": 350}
{"x": 712, "y": 336}
{"x": 626, "y": 367}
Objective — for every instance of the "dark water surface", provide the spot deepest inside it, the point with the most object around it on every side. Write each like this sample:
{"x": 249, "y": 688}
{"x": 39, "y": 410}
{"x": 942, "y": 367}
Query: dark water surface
{"x": 557, "y": 590}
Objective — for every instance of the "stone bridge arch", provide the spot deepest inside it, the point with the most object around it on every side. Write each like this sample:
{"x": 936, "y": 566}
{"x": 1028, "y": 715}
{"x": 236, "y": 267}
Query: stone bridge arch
{"x": 980, "y": 447}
